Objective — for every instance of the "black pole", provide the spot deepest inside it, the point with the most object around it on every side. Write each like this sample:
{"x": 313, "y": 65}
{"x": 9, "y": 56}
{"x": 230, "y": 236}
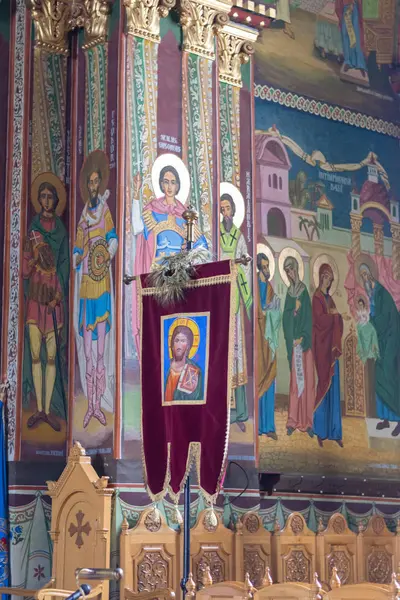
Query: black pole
{"x": 186, "y": 537}
{"x": 190, "y": 217}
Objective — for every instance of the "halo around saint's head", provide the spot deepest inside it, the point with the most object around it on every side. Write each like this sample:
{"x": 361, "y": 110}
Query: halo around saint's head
{"x": 365, "y": 259}
{"x": 264, "y": 249}
{"x": 285, "y": 253}
{"x": 54, "y": 181}
{"x": 329, "y": 260}
{"x": 228, "y": 188}
{"x": 96, "y": 161}
{"x": 194, "y": 328}
{"x": 171, "y": 160}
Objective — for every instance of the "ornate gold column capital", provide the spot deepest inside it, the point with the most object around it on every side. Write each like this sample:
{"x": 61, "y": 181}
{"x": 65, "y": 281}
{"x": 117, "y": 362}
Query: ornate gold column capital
{"x": 50, "y": 19}
{"x": 395, "y": 229}
{"x": 235, "y": 46}
{"x": 143, "y": 17}
{"x": 356, "y": 222}
{"x": 96, "y": 15}
{"x": 200, "y": 20}
{"x": 55, "y": 18}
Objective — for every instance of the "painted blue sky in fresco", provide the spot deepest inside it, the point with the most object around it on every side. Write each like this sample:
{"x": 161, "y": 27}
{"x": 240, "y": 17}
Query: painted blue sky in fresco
{"x": 340, "y": 143}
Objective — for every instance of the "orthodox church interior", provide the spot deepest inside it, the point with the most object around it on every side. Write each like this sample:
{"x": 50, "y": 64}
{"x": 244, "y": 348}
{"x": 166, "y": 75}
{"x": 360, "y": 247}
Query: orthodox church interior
{"x": 200, "y": 249}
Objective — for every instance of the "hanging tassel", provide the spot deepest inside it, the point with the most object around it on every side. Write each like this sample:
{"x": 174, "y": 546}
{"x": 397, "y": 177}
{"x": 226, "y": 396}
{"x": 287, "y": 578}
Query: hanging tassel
{"x": 156, "y": 513}
{"x": 178, "y": 516}
{"x": 212, "y": 517}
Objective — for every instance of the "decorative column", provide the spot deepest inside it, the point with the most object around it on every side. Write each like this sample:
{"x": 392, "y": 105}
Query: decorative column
{"x": 395, "y": 229}
{"x": 234, "y": 48}
{"x": 356, "y": 222}
{"x": 378, "y": 239}
{"x": 200, "y": 21}
{"x": 95, "y": 21}
{"x": 51, "y": 22}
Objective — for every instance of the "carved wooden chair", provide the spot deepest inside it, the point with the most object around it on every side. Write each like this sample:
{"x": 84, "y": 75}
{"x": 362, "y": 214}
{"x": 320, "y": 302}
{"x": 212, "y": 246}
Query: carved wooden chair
{"x": 149, "y": 558}
{"x": 252, "y": 549}
{"x": 294, "y": 551}
{"x": 363, "y": 591}
{"x": 211, "y": 545}
{"x": 80, "y": 524}
{"x": 377, "y": 549}
{"x": 337, "y": 547}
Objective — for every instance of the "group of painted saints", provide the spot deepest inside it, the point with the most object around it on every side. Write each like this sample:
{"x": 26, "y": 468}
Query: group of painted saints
{"x": 46, "y": 271}
{"x": 159, "y": 230}
{"x": 313, "y": 331}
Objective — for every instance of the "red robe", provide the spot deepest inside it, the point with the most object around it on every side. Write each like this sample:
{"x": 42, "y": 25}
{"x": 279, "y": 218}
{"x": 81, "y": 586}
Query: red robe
{"x": 327, "y": 331}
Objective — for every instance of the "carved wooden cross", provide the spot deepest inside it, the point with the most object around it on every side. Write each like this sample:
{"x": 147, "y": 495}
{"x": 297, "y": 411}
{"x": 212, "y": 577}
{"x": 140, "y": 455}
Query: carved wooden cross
{"x": 79, "y": 529}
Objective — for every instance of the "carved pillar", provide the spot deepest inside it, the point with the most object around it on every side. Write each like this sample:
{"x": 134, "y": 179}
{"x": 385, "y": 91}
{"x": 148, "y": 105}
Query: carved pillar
{"x": 395, "y": 229}
{"x": 51, "y": 25}
{"x": 200, "y": 21}
{"x": 378, "y": 239}
{"x": 356, "y": 222}
{"x": 234, "y": 48}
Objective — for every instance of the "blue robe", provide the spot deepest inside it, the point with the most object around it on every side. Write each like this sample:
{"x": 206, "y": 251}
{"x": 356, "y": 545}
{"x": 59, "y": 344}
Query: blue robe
{"x": 266, "y": 403}
{"x": 328, "y": 416}
{"x": 353, "y": 56}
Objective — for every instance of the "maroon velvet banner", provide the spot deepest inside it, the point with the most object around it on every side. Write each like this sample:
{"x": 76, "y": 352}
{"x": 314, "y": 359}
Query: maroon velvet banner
{"x": 186, "y": 373}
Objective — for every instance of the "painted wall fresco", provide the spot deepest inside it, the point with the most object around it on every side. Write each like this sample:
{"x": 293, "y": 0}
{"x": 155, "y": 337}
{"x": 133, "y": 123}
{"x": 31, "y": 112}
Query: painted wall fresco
{"x": 335, "y": 51}
{"x": 327, "y": 296}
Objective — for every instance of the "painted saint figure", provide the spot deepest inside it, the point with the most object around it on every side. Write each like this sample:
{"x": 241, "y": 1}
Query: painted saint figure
{"x": 161, "y": 229}
{"x": 95, "y": 247}
{"x": 184, "y": 378}
{"x": 233, "y": 246}
{"x": 46, "y": 273}
{"x": 267, "y": 336}
{"x": 385, "y": 318}
{"x": 327, "y": 331}
{"x": 297, "y": 328}
{"x": 367, "y": 340}
{"x": 349, "y": 13}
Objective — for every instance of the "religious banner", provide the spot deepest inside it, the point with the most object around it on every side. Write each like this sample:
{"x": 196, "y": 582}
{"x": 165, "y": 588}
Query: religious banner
{"x": 186, "y": 350}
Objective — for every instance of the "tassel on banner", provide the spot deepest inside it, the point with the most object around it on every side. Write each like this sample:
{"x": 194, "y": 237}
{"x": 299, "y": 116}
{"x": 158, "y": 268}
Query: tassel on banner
{"x": 178, "y": 515}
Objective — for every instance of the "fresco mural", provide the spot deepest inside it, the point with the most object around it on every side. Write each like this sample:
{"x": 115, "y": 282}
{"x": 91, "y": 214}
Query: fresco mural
{"x": 336, "y": 51}
{"x": 327, "y": 296}
{"x": 45, "y": 272}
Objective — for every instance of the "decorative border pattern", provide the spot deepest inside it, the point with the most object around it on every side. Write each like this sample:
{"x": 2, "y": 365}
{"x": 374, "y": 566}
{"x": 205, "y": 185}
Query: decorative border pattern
{"x": 15, "y": 224}
{"x": 96, "y": 97}
{"x": 327, "y": 111}
{"x": 229, "y": 98}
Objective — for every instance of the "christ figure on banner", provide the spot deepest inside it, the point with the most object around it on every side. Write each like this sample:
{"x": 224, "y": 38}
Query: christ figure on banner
{"x": 161, "y": 229}
{"x": 327, "y": 347}
{"x": 385, "y": 318}
{"x": 233, "y": 246}
{"x": 297, "y": 328}
{"x": 95, "y": 247}
{"x": 267, "y": 336}
{"x": 185, "y": 381}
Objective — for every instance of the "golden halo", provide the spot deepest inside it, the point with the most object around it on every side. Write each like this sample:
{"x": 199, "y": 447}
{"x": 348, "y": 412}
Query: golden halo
{"x": 54, "y": 181}
{"x": 367, "y": 260}
{"x": 96, "y": 160}
{"x": 228, "y": 188}
{"x": 268, "y": 252}
{"x": 285, "y": 253}
{"x": 319, "y": 261}
{"x": 171, "y": 160}
{"x": 194, "y": 328}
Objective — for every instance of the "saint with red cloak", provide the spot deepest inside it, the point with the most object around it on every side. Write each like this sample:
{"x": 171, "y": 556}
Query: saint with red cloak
{"x": 327, "y": 334}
